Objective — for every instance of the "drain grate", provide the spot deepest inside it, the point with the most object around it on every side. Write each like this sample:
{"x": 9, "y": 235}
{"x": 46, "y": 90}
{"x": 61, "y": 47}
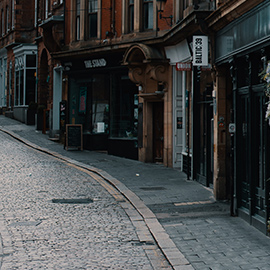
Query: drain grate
{"x": 153, "y": 188}
{"x": 73, "y": 201}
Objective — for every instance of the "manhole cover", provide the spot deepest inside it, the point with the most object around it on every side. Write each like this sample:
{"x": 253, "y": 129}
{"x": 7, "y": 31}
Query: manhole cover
{"x": 73, "y": 201}
{"x": 142, "y": 243}
{"x": 153, "y": 188}
{"x": 25, "y": 223}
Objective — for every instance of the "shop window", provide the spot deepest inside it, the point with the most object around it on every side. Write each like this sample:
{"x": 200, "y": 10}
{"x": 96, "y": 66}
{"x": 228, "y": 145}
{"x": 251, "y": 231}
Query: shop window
{"x": 148, "y": 14}
{"x": 10, "y": 83}
{"x": 92, "y": 18}
{"x": 100, "y": 104}
{"x": 3, "y": 82}
{"x": 243, "y": 78}
{"x": 124, "y": 108}
{"x": 131, "y": 15}
{"x": 25, "y": 80}
{"x": 256, "y": 67}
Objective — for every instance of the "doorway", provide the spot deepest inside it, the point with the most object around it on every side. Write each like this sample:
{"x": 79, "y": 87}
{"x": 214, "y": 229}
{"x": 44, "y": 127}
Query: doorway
{"x": 158, "y": 131}
{"x": 252, "y": 156}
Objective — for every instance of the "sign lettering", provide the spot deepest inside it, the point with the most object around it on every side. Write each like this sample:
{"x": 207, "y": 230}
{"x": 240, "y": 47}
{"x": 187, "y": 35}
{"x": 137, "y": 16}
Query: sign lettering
{"x": 94, "y": 63}
{"x": 200, "y": 50}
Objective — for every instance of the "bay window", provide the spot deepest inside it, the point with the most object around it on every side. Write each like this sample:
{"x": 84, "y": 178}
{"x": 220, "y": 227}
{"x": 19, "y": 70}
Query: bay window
{"x": 25, "y": 76}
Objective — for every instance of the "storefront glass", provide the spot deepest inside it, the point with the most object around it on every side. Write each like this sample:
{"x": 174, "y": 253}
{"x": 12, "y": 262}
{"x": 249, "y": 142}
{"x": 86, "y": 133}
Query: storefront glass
{"x": 124, "y": 107}
{"x": 104, "y": 104}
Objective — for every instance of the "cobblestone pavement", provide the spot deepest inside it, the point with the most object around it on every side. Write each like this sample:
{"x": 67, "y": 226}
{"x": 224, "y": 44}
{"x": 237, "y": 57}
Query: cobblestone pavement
{"x": 201, "y": 228}
{"x": 47, "y": 220}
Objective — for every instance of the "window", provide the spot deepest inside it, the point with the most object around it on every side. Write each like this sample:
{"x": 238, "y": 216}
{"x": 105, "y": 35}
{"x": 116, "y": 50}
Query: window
{"x": 47, "y": 8}
{"x": 124, "y": 107}
{"x": 25, "y": 80}
{"x": 78, "y": 11}
{"x": 92, "y": 18}
{"x": 3, "y": 22}
{"x": 7, "y": 19}
{"x": 13, "y": 15}
{"x": 10, "y": 84}
{"x": 147, "y": 14}
{"x": 131, "y": 16}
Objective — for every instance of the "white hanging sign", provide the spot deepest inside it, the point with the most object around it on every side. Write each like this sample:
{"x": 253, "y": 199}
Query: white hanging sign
{"x": 200, "y": 50}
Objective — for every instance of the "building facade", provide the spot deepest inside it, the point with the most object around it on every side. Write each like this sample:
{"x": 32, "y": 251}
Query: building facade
{"x": 171, "y": 82}
{"x": 241, "y": 54}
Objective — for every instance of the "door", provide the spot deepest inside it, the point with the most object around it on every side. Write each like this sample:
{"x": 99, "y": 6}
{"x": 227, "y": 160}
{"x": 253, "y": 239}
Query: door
{"x": 179, "y": 106}
{"x": 242, "y": 158}
{"x": 259, "y": 129}
{"x": 158, "y": 131}
{"x": 205, "y": 138}
{"x": 251, "y": 162}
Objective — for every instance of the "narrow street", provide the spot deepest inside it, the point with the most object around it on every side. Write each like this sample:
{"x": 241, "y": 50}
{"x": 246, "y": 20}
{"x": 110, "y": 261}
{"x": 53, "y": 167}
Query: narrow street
{"x": 56, "y": 216}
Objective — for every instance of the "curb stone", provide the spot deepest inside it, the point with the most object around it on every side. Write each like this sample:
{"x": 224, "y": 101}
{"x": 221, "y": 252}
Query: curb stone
{"x": 167, "y": 246}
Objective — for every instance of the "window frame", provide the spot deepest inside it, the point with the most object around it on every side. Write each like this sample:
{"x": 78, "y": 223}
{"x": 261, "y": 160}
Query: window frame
{"x": 78, "y": 20}
{"x": 131, "y": 15}
{"x": 147, "y": 15}
{"x": 91, "y": 13}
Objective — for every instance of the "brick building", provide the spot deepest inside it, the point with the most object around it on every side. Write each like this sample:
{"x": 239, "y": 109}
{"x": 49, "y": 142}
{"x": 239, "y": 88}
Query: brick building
{"x": 18, "y": 56}
{"x": 158, "y": 81}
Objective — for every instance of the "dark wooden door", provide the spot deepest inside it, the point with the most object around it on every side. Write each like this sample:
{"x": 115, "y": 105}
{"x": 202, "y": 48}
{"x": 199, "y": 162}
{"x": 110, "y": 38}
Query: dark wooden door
{"x": 158, "y": 131}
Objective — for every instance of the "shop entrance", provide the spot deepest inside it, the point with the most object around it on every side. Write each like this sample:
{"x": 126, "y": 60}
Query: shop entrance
{"x": 205, "y": 138}
{"x": 251, "y": 156}
{"x": 158, "y": 131}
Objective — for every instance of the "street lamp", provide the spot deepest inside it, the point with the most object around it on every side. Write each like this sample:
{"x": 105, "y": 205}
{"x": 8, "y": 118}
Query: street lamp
{"x": 161, "y": 5}
{"x": 160, "y": 9}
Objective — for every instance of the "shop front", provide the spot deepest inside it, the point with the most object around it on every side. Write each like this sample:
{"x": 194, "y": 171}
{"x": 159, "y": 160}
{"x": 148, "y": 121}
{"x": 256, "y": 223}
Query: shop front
{"x": 244, "y": 48}
{"x": 104, "y": 101}
{"x": 149, "y": 71}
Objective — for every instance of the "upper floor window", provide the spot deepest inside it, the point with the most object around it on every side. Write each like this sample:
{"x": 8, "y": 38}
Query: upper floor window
{"x": 3, "y": 22}
{"x": 131, "y": 15}
{"x": 13, "y": 16}
{"x": 148, "y": 19}
{"x": 7, "y": 19}
{"x": 92, "y": 18}
{"x": 47, "y": 8}
{"x": 78, "y": 11}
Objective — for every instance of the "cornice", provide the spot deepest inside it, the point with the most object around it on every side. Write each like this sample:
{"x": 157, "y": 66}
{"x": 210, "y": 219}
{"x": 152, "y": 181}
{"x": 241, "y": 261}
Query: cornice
{"x": 228, "y": 12}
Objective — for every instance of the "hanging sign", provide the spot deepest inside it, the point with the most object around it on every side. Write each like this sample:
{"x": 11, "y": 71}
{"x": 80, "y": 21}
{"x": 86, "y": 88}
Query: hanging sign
{"x": 183, "y": 66}
{"x": 200, "y": 50}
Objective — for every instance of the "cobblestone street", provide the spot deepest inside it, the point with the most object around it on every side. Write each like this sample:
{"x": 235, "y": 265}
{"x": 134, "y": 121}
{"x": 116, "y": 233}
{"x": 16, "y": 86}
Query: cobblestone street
{"x": 55, "y": 216}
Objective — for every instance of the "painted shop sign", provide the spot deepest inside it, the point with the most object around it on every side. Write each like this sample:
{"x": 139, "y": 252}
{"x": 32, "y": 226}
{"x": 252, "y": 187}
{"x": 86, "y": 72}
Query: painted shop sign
{"x": 183, "y": 66}
{"x": 200, "y": 50}
{"x": 94, "y": 63}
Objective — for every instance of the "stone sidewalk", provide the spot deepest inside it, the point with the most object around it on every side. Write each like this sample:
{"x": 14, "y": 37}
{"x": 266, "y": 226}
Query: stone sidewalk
{"x": 191, "y": 228}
